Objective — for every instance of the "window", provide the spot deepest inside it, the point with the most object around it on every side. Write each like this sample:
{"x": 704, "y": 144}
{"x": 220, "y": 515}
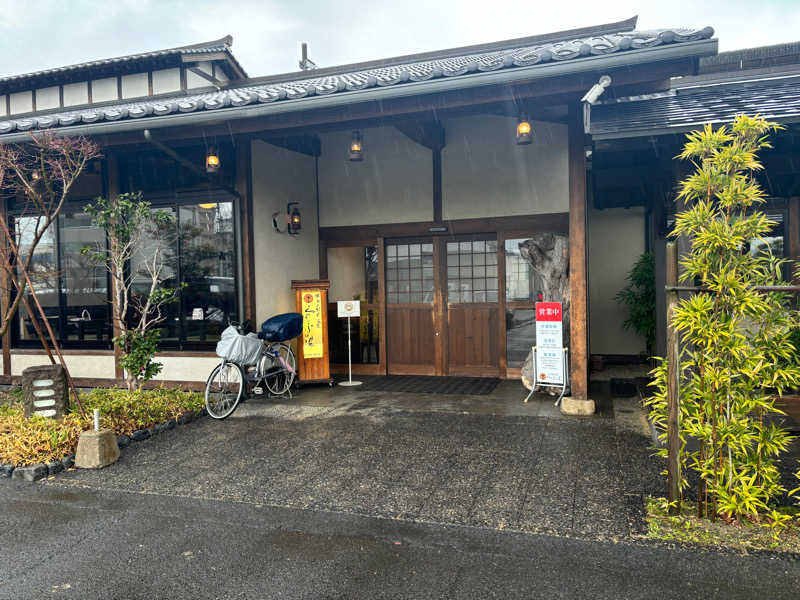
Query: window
{"x": 472, "y": 271}
{"x": 72, "y": 290}
{"x": 409, "y": 273}
{"x": 200, "y": 255}
{"x": 522, "y": 289}
{"x": 353, "y": 272}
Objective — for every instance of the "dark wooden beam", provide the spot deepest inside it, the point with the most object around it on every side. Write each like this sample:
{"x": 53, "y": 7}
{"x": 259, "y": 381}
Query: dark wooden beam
{"x": 429, "y": 134}
{"x": 200, "y": 73}
{"x": 244, "y": 187}
{"x": 578, "y": 310}
{"x": 793, "y": 232}
{"x": 303, "y": 143}
{"x": 438, "y": 194}
{"x": 556, "y": 222}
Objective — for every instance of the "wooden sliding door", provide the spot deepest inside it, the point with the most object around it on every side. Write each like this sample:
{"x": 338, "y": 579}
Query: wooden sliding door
{"x": 442, "y": 311}
{"x": 412, "y": 335}
{"x": 473, "y": 311}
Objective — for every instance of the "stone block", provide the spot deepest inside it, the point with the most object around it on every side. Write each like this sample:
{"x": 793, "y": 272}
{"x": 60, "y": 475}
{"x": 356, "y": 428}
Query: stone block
{"x": 577, "y": 407}
{"x": 54, "y": 467}
{"x": 30, "y": 473}
{"x": 6, "y": 470}
{"x": 97, "y": 449}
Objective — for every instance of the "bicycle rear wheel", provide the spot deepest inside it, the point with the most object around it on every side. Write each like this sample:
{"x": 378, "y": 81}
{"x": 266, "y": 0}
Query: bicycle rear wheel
{"x": 280, "y": 377}
{"x": 224, "y": 390}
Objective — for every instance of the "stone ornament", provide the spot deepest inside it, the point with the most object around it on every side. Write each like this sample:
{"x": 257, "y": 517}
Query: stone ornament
{"x": 45, "y": 392}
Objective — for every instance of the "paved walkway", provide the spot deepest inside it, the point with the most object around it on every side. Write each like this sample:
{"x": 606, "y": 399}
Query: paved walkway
{"x": 486, "y": 461}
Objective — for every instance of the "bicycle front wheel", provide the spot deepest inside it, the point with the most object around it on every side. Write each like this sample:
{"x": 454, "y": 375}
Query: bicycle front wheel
{"x": 224, "y": 390}
{"x": 284, "y": 367}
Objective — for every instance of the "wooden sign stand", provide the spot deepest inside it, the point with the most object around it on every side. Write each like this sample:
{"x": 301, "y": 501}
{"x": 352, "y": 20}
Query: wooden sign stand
{"x": 313, "y": 369}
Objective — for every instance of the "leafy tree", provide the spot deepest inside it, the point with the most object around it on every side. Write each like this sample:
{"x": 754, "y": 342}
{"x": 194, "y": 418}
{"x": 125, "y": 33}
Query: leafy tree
{"x": 734, "y": 358}
{"x": 639, "y": 296}
{"x": 135, "y": 256}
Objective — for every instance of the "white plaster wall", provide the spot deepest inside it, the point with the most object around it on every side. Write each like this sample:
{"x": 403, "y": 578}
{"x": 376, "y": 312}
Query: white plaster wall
{"x": 185, "y": 368}
{"x": 76, "y": 93}
{"x": 486, "y": 174}
{"x": 281, "y": 176}
{"x": 47, "y": 98}
{"x": 3, "y": 110}
{"x": 346, "y": 273}
{"x": 219, "y": 73}
{"x": 21, "y": 102}
{"x": 92, "y": 366}
{"x": 166, "y": 80}
{"x": 135, "y": 85}
{"x": 195, "y": 81}
{"x": 393, "y": 184}
{"x": 616, "y": 240}
{"x": 104, "y": 90}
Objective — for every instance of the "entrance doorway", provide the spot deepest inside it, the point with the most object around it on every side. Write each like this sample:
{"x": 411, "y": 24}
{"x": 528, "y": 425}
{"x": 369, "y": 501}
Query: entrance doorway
{"x": 442, "y": 306}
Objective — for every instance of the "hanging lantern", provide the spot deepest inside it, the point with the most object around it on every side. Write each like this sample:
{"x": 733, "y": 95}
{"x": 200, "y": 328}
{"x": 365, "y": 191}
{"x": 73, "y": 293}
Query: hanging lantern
{"x": 293, "y": 221}
{"x": 356, "y": 153}
{"x": 524, "y": 131}
{"x": 212, "y": 161}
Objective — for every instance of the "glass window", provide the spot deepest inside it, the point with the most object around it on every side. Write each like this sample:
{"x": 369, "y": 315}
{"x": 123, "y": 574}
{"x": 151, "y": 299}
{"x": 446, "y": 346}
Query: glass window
{"x": 522, "y": 283}
{"x": 71, "y": 289}
{"x": 520, "y": 335}
{"x": 472, "y": 271}
{"x": 409, "y": 273}
{"x": 84, "y": 284}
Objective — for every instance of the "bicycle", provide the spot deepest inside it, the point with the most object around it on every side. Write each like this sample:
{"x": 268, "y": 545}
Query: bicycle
{"x": 275, "y": 369}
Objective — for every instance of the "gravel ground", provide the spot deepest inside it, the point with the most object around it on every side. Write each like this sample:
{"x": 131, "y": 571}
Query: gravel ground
{"x": 573, "y": 477}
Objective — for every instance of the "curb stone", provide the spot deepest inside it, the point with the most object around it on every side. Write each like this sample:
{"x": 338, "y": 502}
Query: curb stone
{"x": 40, "y": 471}
{"x": 30, "y": 473}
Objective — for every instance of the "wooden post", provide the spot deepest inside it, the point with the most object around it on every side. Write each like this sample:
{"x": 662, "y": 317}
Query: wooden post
{"x": 244, "y": 187}
{"x": 578, "y": 403}
{"x": 673, "y": 382}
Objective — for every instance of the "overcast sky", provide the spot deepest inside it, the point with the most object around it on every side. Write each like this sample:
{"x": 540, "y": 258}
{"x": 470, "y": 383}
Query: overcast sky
{"x": 38, "y": 34}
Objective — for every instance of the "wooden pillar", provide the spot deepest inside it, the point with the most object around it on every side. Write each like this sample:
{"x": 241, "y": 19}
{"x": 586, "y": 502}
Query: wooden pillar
{"x": 673, "y": 385}
{"x": 579, "y": 360}
{"x": 244, "y": 187}
{"x": 113, "y": 190}
{"x": 792, "y": 230}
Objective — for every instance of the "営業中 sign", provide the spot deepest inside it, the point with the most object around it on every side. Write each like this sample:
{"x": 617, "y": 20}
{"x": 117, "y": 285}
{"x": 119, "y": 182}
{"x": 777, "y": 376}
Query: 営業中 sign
{"x": 549, "y": 343}
{"x": 349, "y": 308}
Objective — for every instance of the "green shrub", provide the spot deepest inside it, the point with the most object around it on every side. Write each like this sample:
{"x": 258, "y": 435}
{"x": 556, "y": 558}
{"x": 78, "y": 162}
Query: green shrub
{"x": 40, "y": 440}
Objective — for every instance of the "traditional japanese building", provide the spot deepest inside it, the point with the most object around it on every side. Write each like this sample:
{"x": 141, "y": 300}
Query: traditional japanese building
{"x": 420, "y": 181}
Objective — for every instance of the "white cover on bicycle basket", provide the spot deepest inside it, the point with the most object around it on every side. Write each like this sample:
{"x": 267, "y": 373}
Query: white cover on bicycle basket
{"x": 239, "y": 349}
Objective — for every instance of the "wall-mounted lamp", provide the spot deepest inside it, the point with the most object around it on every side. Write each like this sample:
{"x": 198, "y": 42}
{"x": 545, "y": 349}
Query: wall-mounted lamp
{"x": 294, "y": 221}
{"x": 212, "y": 161}
{"x": 524, "y": 131}
{"x": 356, "y": 151}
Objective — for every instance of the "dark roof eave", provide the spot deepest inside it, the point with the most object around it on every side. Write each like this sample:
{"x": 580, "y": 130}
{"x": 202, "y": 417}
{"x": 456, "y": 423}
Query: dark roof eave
{"x": 597, "y": 63}
{"x": 678, "y": 129}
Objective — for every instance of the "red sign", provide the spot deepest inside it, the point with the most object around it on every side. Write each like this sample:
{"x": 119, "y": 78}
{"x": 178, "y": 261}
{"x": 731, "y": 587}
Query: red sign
{"x": 548, "y": 311}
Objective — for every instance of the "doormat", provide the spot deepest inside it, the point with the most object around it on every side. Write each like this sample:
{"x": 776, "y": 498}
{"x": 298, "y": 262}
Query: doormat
{"x": 425, "y": 384}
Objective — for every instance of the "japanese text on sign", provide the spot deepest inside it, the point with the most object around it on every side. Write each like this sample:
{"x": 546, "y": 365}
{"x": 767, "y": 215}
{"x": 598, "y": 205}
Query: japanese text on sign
{"x": 549, "y": 343}
{"x": 311, "y": 307}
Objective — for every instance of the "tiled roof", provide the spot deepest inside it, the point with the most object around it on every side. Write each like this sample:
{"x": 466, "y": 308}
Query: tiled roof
{"x": 387, "y": 73}
{"x": 220, "y": 45}
{"x": 682, "y": 109}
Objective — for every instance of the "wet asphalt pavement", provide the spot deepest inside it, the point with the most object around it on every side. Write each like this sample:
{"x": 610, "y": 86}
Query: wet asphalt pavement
{"x": 361, "y": 501}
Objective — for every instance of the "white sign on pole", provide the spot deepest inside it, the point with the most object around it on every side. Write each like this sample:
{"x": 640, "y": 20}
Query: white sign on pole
{"x": 549, "y": 344}
{"x": 349, "y": 308}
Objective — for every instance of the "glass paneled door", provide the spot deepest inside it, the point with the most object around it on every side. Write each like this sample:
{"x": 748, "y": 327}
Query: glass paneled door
{"x": 442, "y": 306}
{"x": 413, "y": 344}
